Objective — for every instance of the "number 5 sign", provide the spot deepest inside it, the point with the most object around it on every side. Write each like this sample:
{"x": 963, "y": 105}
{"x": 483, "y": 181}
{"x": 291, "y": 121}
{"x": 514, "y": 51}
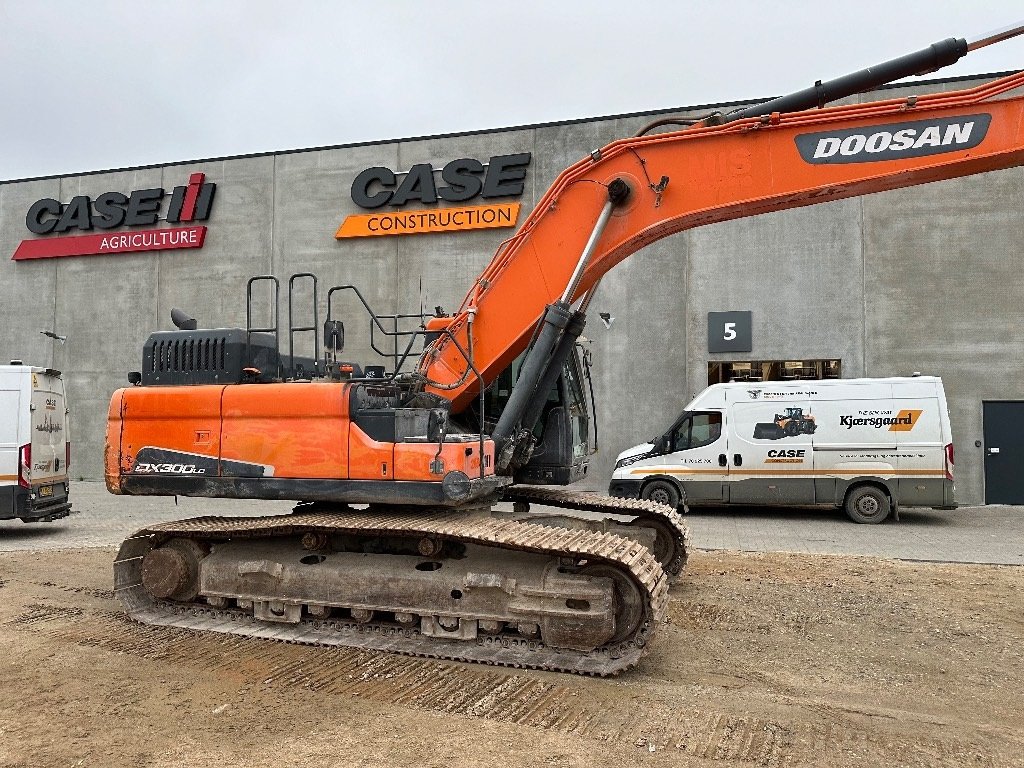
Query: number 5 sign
{"x": 729, "y": 332}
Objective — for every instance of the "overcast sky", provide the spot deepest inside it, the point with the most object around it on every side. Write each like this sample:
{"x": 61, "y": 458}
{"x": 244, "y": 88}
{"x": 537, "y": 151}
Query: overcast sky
{"x": 91, "y": 85}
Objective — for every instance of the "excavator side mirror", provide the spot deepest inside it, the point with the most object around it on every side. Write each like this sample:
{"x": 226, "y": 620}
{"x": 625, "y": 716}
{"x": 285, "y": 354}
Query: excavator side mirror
{"x": 437, "y": 425}
{"x": 334, "y": 335}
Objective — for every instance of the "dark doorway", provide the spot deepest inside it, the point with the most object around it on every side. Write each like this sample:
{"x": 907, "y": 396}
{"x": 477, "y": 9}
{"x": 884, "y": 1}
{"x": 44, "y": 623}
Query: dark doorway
{"x": 772, "y": 370}
{"x": 1004, "y": 452}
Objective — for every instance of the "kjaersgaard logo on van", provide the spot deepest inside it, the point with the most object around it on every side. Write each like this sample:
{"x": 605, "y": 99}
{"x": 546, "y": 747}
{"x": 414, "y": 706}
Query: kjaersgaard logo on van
{"x": 904, "y": 421}
{"x": 918, "y": 138}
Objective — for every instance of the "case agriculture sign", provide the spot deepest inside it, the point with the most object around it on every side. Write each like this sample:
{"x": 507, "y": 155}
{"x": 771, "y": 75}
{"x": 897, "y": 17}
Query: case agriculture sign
{"x": 461, "y": 181}
{"x": 114, "y": 210}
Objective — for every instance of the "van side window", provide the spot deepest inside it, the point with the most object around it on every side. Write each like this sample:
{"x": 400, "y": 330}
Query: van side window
{"x": 698, "y": 430}
{"x": 707, "y": 427}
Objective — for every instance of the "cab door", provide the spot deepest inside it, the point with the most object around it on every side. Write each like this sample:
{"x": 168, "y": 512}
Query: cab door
{"x": 695, "y": 454}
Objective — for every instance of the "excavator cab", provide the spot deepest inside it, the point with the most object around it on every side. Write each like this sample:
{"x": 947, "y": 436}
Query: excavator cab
{"x": 564, "y": 433}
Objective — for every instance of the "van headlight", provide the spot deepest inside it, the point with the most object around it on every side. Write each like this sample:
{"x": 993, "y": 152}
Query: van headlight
{"x": 631, "y": 460}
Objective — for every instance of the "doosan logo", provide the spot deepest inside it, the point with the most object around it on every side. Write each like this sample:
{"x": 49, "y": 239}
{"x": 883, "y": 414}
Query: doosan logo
{"x": 918, "y": 138}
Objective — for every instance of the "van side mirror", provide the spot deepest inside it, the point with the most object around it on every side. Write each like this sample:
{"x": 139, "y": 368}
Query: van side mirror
{"x": 661, "y": 444}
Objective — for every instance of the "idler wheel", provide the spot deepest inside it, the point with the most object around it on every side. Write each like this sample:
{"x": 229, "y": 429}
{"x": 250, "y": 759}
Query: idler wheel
{"x": 171, "y": 571}
{"x": 628, "y": 603}
{"x": 665, "y": 550}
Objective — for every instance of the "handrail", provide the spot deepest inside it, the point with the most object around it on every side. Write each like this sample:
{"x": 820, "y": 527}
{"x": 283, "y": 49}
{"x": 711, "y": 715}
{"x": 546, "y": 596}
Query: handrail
{"x": 249, "y": 330}
{"x": 293, "y": 329}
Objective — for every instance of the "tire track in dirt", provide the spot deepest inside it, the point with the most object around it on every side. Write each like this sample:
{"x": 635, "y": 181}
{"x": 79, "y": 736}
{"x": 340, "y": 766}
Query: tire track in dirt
{"x": 105, "y": 594}
{"x": 391, "y": 680}
{"x": 534, "y": 701}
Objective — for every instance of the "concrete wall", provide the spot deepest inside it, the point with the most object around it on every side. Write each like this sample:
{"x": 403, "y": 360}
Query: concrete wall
{"x": 923, "y": 279}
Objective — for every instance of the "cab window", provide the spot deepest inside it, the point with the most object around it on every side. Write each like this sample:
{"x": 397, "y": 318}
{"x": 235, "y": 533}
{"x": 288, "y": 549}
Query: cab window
{"x": 697, "y": 430}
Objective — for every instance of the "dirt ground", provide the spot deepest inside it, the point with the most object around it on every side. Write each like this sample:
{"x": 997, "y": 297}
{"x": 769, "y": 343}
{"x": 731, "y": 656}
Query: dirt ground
{"x": 767, "y": 660}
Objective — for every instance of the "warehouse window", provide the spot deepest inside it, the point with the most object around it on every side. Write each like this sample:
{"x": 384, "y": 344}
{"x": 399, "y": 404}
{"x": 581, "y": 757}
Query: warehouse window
{"x": 773, "y": 370}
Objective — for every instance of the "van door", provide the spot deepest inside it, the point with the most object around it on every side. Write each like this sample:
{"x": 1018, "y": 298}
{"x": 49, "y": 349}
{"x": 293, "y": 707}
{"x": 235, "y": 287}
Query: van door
{"x": 695, "y": 454}
{"x": 920, "y": 452}
{"x": 49, "y": 435}
{"x": 770, "y": 453}
{"x": 10, "y": 411}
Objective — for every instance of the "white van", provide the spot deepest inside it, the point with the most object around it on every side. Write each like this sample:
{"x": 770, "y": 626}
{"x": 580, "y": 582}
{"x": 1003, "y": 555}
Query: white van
{"x": 866, "y": 445}
{"x": 34, "y": 444}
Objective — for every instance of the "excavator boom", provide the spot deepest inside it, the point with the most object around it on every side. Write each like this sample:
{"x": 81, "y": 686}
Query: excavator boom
{"x": 714, "y": 173}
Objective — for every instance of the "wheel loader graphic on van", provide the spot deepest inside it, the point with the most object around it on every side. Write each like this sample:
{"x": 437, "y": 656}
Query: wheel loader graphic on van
{"x": 791, "y": 423}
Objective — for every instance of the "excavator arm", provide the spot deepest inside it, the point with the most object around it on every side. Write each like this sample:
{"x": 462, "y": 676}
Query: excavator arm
{"x": 706, "y": 174}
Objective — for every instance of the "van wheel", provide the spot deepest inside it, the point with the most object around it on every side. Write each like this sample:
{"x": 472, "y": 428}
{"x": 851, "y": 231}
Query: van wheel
{"x": 867, "y": 504}
{"x": 663, "y": 492}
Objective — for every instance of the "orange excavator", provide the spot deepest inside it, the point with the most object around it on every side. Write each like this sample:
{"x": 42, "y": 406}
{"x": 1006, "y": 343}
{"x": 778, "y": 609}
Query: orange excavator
{"x": 396, "y": 543}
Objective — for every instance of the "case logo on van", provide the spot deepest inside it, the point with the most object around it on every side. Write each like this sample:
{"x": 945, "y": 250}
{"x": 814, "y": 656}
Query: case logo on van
{"x": 785, "y": 456}
{"x": 917, "y": 138}
{"x": 903, "y": 421}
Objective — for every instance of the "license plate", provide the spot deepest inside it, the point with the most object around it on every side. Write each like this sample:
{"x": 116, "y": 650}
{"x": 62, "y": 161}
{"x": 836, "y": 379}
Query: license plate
{"x": 46, "y": 490}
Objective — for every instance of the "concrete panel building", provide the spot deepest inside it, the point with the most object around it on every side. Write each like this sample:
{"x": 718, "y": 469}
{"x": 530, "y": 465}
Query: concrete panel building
{"x": 924, "y": 279}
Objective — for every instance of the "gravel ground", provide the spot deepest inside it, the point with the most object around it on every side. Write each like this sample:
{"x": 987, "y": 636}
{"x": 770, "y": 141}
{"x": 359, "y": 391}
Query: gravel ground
{"x": 819, "y": 654}
{"x": 767, "y": 660}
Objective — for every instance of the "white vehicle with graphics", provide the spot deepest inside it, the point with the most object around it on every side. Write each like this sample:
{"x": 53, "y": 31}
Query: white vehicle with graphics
{"x": 34, "y": 444}
{"x": 868, "y": 446}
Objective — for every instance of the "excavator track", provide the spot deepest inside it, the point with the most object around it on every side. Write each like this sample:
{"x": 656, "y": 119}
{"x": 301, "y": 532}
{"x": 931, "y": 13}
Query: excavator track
{"x": 673, "y": 536}
{"x": 613, "y": 556}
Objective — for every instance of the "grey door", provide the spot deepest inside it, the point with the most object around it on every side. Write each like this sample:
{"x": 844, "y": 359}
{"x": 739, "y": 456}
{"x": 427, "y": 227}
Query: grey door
{"x": 1004, "y": 452}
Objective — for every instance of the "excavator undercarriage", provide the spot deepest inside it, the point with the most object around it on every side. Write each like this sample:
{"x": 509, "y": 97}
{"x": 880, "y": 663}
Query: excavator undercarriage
{"x": 465, "y": 584}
